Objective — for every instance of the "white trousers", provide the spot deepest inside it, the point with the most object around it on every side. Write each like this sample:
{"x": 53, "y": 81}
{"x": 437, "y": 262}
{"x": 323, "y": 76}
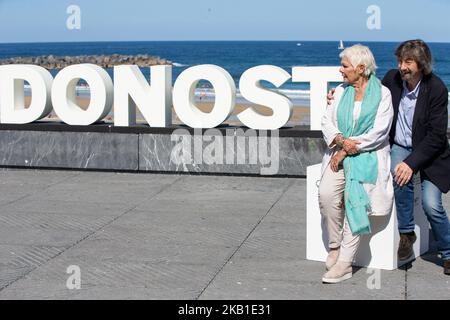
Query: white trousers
{"x": 331, "y": 202}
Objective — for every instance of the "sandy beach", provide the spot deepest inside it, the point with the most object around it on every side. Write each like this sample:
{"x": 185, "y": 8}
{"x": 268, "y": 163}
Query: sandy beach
{"x": 300, "y": 114}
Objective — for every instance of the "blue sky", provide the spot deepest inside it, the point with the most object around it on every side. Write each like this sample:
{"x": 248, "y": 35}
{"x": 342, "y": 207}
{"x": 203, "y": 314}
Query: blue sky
{"x": 133, "y": 20}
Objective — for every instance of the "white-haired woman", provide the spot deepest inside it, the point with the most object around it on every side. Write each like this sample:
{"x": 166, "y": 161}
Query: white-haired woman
{"x": 356, "y": 180}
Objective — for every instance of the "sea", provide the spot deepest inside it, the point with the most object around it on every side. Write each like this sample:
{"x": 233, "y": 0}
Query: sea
{"x": 235, "y": 57}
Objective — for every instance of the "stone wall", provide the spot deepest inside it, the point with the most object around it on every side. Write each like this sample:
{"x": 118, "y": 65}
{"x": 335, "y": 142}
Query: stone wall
{"x": 141, "y": 148}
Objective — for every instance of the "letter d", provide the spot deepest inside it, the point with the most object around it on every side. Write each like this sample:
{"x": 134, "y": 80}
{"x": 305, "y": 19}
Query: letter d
{"x": 12, "y": 101}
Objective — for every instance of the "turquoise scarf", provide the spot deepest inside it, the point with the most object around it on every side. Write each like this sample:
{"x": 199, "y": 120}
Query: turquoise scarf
{"x": 363, "y": 167}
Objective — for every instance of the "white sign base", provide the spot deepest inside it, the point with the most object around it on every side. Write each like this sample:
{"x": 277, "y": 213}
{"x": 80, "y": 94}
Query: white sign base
{"x": 377, "y": 250}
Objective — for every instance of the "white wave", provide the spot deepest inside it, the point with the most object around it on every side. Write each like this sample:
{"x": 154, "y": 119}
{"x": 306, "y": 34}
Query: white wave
{"x": 179, "y": 65}
{"x": 290, "y": 93}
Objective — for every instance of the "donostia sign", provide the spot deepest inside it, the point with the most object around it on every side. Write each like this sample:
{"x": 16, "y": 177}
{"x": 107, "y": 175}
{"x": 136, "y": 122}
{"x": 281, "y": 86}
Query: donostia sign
{"x": 131, "y": 91}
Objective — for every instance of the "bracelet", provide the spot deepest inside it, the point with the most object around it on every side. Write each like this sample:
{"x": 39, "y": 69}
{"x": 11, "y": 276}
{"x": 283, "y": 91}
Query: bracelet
{"x": 340, "y": 141}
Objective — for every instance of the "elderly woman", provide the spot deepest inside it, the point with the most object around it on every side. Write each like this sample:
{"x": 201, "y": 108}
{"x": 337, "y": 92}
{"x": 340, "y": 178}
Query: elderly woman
{"x": 356, "y": 180}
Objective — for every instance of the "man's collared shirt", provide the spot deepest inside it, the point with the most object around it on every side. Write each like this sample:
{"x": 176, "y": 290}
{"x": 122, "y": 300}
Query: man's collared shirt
{"x": 403, "y": 129}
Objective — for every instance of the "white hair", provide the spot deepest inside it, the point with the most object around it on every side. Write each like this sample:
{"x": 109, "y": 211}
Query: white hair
{"x": 359, "y": 54}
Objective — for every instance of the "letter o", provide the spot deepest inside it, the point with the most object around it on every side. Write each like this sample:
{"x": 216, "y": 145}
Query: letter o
{"x": 64, "y": 94}
{"x": 184, "y": 96}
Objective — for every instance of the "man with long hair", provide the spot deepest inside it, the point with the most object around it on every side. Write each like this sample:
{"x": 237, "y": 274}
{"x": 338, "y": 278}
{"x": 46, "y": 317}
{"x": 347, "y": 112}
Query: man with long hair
{"x": 419, "y": 144}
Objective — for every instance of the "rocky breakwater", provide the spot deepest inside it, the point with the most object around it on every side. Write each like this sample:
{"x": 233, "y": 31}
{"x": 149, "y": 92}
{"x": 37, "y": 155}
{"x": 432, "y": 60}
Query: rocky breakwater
{"x": 105, "y": 61}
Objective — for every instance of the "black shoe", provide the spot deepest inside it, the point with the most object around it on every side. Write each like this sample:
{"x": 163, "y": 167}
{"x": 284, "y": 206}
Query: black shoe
{"x": 405, "y": 247}
{"x": 447, "y": 267}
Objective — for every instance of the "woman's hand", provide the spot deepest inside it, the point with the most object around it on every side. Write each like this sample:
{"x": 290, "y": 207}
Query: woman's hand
{"x": 337, "y": 159}
{"x": 351, "y": 146}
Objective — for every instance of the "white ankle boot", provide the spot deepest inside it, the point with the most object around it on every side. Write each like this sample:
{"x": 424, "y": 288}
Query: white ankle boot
{"x": 339, "y": 272}
{"x": 332, "y": 258}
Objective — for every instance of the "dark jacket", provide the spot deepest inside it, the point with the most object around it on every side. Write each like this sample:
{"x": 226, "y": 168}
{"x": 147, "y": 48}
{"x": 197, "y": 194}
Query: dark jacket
{"x": 431, "y": 150}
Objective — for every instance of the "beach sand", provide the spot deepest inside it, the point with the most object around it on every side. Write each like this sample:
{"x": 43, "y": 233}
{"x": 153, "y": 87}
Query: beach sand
{"x": 300, "y": 115}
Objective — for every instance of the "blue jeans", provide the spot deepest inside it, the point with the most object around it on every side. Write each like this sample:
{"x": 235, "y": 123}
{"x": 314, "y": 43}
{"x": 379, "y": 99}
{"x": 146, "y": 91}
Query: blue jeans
{"x": 431, "y": 202}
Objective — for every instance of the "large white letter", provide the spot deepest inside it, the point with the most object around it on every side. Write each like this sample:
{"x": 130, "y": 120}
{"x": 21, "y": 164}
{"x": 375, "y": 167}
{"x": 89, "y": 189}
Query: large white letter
{"x": 132, "y": 91}
{"x": 252, "y": 90}
{"x": 64, "y": 94}
{"x": 319, "y": 78}
{"x": 184, "y": 94}
{"x": 12, "y": 104}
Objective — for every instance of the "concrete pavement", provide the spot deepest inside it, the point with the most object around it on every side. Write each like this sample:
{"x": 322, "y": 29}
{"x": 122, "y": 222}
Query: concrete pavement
{"x": 158, "y": 236}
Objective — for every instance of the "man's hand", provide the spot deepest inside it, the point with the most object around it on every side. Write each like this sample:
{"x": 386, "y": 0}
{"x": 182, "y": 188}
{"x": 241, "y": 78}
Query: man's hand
{"x": 403, "y": 174}
{"x": 330, "y": 96}
{"x": 337, "y": 159}
{"x": 351, "y": 146}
